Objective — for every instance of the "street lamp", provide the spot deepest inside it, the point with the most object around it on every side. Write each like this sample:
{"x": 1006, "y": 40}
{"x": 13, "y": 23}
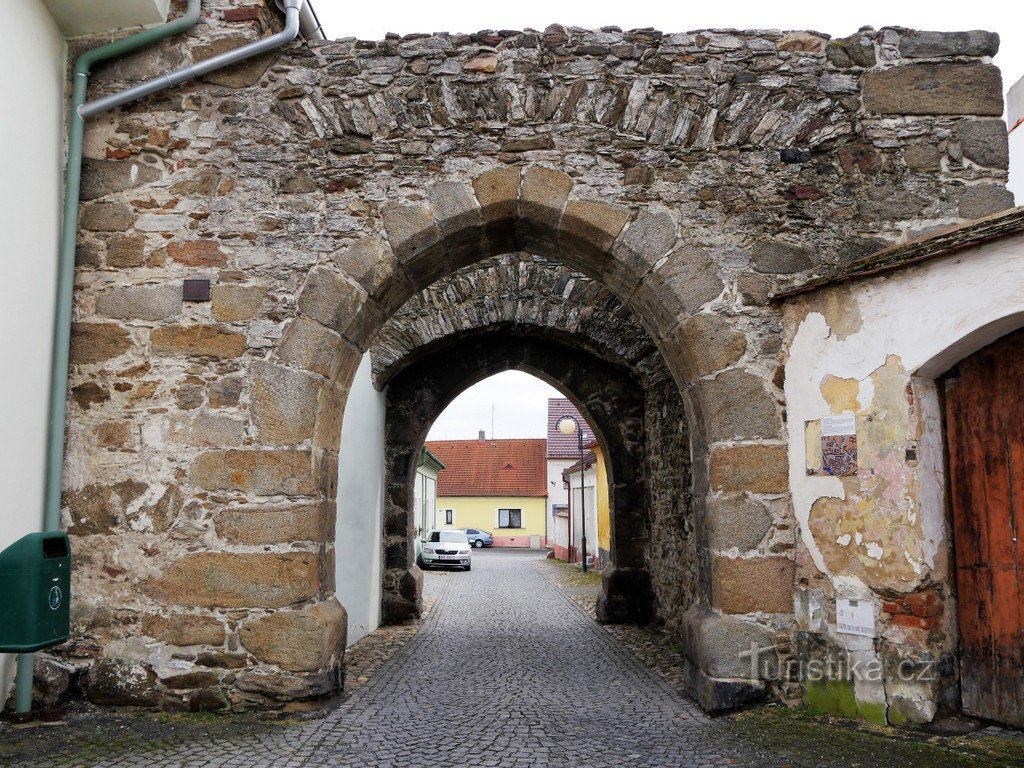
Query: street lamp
{"x": 568, "y": 425}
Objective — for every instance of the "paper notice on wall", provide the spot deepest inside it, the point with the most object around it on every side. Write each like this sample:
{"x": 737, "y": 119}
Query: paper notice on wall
{"x": 839, "y": 445}
{"x": 843, "y": 424}
{"x": 855, "y": 617}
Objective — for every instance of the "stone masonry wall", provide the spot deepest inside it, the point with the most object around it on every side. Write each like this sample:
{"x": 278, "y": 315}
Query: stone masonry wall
{"x": 319, "y": 188}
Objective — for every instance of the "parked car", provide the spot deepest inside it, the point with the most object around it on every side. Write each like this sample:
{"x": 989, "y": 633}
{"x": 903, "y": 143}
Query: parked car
{"x": 446, "y": 548}
{"x": 479, "y": 538}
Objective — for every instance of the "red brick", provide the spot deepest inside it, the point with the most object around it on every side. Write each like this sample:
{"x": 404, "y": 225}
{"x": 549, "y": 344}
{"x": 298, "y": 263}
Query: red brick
{"x": 892, "y": 607}
{"x": 244, "y": 13}
{"x": 915, "y": 622}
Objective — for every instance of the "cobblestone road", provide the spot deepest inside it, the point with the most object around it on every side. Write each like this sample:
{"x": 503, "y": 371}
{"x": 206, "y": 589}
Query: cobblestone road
{"x": 507, "y": 671}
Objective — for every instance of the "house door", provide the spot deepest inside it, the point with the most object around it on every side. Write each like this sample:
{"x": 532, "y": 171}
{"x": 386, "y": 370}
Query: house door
{"x": 985, "y": 437}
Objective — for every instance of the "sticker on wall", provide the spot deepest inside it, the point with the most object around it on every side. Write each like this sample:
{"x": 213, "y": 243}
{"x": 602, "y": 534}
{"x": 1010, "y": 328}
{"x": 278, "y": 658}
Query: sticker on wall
{"x": 839, "y": 445}
{"x": 855, "y": 617}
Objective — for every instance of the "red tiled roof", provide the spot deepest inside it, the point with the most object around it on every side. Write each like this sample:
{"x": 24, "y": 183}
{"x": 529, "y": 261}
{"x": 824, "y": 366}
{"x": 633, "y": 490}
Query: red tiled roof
{"x": 564, "y": 446}
{"x": 491, "y": 467}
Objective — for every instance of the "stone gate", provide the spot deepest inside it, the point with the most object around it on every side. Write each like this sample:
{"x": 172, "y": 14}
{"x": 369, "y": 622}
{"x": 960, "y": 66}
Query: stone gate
{"x": 633, "y": 197}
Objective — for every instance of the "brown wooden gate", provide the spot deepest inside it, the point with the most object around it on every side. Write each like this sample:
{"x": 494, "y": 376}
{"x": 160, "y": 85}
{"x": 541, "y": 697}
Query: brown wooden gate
{"x": 985, "y": 436}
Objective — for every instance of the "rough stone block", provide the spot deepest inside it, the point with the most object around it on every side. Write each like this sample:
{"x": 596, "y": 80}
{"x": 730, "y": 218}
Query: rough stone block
{"x": 457, "y": 212}
{"x": 98, "y": 508}
{"x": 330, "y": 413}
{"x": 737, "y": 521}
{"x": 265, "y": 473}
{"x": 497, "y": 191}
{"x": 704, "y": 344}
{"x": 118, "y": 683}
{"x": 106, "y": 217}
{"x": 198, "y": 253}
{"x": 415, "y": 240}
{"x": 289, "y": 687}
{"x": 226, "y": 392}
{"x": 751, "y": 468}
{"x": 543, "y": 196}
{"x": 107, "y": 177}
{"x": 926, "y": 45}
{"x": 198, "y": 341}
{"x": 126, "y": 251}
{"x": 371, "y": 263}
{"x": 774, "y": 257}
{"x": 258, "y": 524}
{"x": 331, "y": 300}
{"x": 150, "y": 302}
{"x": 240, "y": 75}
{"x": 96, "y": 342}
{"x": 236, "y": 303}
{"x": 980, "y": 200}
{"x": 857, "y": 50}
{"x": 736, "y": 406}
{"x": 238, "y": 580}
{"x": 985, "y": 142}
{"x": 751, "y": 585}
{"x": 934, "y": 89}
{"x": 589, "y": 228}
{"x": 207, "y": 430}
{"x": 682, "y": 285}
{"x": 645, "y": 242}
{"x": 731, "y": 648}
{"x": 51, "y": 681}
{"x": 284, "y": 404}
{"x": 922, "y": 156}
{"x": 311, "y": 346}
{"x": 184, "y": 629}
{"x": 299, "y": 641}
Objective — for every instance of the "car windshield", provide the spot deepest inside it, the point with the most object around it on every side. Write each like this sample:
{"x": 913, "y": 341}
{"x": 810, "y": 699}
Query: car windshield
{"x": 450, "y": 537}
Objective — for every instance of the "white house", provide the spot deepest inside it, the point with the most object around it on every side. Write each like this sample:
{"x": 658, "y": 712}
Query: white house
{"x": 562, "y": 452}
{"x": 425, "y": 497}
{"x": 1015, "y": 120}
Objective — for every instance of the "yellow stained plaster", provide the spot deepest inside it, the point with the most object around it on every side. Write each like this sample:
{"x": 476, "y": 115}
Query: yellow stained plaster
{"x": 840, "y": 394}
{"x": 875, "y": 532}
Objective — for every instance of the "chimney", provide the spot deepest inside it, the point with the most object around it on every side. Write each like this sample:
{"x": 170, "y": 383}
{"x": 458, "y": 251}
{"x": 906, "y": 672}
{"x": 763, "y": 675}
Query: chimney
{"x": 483, "y": 436}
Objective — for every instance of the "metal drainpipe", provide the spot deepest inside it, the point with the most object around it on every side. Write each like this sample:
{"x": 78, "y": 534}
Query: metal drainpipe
{"x": 69, "y": 233}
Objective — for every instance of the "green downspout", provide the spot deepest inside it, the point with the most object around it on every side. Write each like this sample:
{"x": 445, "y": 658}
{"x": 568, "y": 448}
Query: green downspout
{"x": 65, "y": 285}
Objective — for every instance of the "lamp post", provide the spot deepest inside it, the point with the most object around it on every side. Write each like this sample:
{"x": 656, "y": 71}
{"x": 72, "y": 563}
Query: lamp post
{"x": 568, "y": 425}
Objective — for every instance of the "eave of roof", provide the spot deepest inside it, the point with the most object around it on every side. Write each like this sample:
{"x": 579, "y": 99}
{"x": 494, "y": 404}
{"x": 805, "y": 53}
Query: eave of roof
{"x": 942, "y": 242}
{"x": 427, "y": 458}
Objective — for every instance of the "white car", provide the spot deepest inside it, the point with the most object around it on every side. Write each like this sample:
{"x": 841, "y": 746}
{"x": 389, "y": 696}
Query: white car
{"x": 446, "y": 548}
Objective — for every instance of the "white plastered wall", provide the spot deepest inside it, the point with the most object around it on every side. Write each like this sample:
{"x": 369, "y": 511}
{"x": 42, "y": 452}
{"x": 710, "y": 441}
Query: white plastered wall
{"x": 931, "y": 316}
{"x": 357, "y": 537}
{"x": 33, "y": 54}
{"x": 921, "y": 320}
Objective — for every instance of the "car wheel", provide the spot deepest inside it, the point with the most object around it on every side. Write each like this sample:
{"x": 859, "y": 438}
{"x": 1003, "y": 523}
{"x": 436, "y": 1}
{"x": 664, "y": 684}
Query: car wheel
{"x": 478, "y": 543}
{"x": 469, "y": 567}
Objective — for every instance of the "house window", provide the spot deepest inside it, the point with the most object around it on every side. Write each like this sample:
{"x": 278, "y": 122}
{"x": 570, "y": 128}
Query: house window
{"x": 510, "y": 518}
{"x": 449, "y": 517}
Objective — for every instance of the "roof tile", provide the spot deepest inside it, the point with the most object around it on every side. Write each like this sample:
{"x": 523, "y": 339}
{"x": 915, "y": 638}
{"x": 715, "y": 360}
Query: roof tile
{"x": 491, "y": 467}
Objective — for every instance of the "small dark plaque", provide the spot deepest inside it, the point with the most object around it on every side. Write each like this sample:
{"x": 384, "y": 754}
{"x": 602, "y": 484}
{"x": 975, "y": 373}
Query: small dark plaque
{"x": 196, "y": 290}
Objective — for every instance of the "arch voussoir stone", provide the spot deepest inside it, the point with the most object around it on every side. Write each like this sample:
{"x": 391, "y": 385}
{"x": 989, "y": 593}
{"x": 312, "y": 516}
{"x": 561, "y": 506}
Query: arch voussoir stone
{"x": 415, "y": 240}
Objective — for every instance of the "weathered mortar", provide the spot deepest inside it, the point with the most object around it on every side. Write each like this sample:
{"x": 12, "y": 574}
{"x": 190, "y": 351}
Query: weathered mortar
{"x": 689, "y": 174}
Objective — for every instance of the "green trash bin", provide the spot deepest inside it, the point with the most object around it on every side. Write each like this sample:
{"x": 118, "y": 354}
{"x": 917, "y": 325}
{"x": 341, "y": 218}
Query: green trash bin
{"x": 35, "y": 592}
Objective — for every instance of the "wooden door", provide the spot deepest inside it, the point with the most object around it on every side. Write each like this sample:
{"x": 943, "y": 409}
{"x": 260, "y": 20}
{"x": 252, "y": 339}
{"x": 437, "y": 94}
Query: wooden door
{"x": 985, "y": 437}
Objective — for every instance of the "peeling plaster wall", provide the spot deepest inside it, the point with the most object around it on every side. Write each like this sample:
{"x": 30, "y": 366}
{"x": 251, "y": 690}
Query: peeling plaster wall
{"x": 873, "y": 348}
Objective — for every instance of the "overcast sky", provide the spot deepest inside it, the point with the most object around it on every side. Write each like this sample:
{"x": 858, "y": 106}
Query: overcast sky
{"x": 520, "y": 400}
{"x": 520, "y": 403}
